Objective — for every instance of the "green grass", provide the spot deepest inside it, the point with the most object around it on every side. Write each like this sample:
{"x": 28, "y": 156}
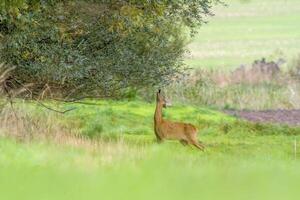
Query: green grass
{"x": 122, "y": 117}
{"x": 242, "y": 160}
{"x": 246, "y": 31}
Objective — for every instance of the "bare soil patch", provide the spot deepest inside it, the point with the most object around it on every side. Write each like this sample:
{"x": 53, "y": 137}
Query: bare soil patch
{"x": 288, "y": 117}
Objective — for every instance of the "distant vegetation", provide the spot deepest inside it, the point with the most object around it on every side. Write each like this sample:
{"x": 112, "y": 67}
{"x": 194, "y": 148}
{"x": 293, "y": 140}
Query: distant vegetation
{"x": 262, "y": 85}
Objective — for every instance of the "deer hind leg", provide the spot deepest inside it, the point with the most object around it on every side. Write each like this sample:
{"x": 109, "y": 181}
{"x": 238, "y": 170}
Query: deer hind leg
{"x": 198, "y": 145}
{"x": 193, "y": 141}
{"x": 201, "y": 143}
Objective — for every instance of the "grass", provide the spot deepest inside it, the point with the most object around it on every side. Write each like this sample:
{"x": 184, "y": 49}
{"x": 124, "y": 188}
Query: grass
{"x": 121, "y": 160}
{"x": 245, "y": 31}
{"x": 237, "y": 170}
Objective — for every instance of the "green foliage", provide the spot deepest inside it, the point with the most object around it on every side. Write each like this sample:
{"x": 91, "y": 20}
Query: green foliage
{"x": 87, "y": 48}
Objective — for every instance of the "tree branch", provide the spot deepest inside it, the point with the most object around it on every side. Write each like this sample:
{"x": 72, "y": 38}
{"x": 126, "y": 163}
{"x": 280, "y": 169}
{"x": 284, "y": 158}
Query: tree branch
{"x": 54, "y": 110}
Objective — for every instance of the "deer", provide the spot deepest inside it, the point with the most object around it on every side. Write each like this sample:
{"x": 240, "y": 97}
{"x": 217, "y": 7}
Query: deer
{"x": 185, "y": 133}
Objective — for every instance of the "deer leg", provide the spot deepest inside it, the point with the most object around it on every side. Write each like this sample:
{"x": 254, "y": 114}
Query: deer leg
{"x": 201, "y": 143}
{"x": 159, "y": 139}
{"x": 199, "y": 146}
{"x": 194, "y": 142}
{"x": 183, "y": 142}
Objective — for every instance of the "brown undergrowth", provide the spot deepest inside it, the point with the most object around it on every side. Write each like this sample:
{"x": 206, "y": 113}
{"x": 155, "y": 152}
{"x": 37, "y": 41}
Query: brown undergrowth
{"x": 25, "y": 123}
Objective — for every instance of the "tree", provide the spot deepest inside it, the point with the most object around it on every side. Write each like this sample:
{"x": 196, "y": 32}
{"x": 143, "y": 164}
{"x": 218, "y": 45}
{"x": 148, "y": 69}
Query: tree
{"x": 97, "y": 48}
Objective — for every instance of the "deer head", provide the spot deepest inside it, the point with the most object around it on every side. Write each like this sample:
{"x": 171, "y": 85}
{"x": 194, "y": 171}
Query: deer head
{"x": 162, "y": 100}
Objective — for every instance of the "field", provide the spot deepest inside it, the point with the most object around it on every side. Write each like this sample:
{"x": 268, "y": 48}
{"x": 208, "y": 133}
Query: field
{"x": 105, "y": 149}
{"x": 245, "y": 31}
{"x": 109, "y": 151}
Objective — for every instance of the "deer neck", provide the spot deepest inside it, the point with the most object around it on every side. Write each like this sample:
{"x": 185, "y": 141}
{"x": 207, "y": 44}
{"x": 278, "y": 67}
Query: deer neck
{"x": 158, "y": 113}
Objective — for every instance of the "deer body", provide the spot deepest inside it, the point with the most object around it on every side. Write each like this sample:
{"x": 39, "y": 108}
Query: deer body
{"x": 164, "y": 129}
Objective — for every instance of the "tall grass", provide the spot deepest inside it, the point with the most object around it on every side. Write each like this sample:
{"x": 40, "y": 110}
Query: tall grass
{"x": 239, "y": 89}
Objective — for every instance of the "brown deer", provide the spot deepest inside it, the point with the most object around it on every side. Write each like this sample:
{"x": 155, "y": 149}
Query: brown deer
{"x": 185, "y": 133}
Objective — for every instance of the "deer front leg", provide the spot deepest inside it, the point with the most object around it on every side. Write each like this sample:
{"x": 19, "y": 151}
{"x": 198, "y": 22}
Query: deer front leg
{"x": 159, "y": 139}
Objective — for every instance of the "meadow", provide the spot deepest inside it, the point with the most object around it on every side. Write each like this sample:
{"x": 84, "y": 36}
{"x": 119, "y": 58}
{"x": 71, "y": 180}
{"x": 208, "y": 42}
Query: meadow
{"x": 106, "y": 149}
{"x": 245, "y": 31}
